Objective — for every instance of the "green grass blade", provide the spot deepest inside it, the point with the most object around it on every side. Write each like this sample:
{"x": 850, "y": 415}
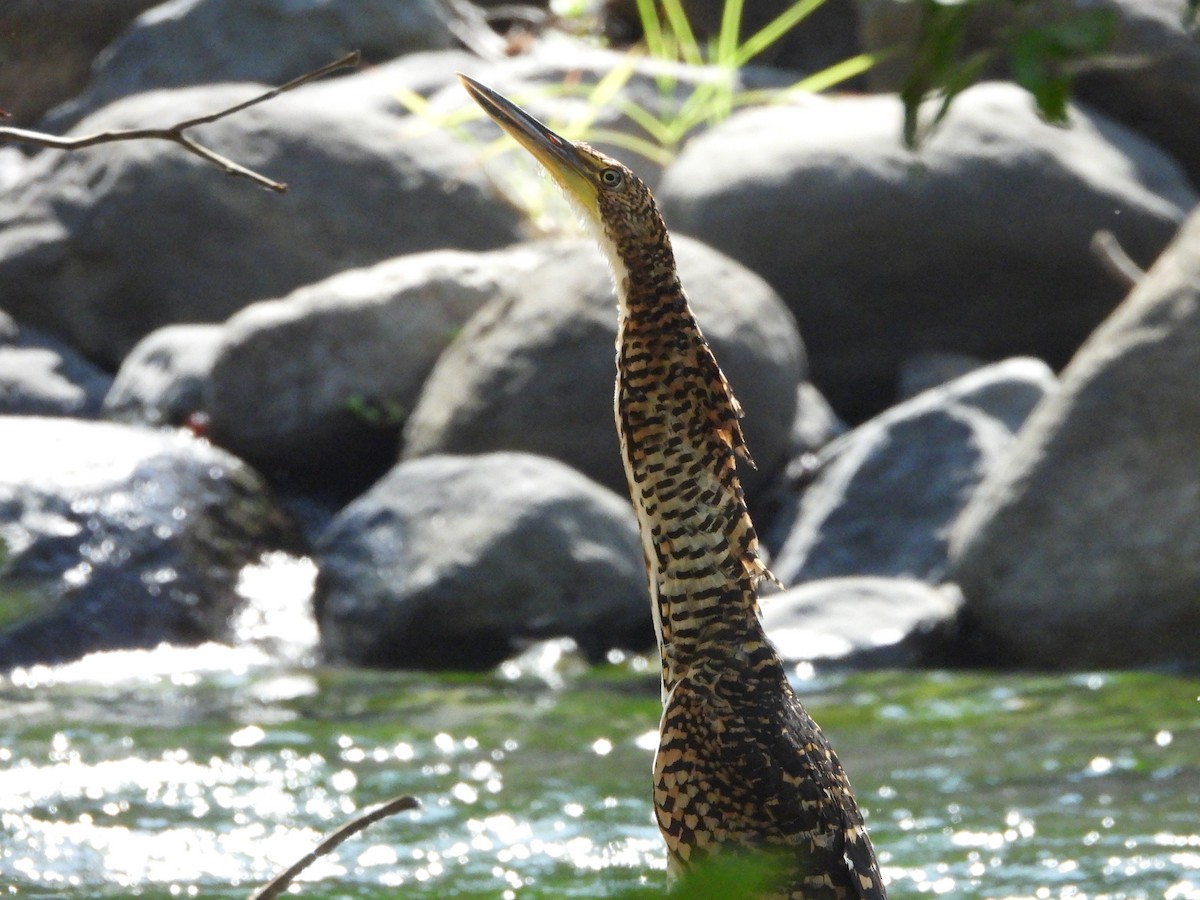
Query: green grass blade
{"x": 837, "y": 73}
{"x": 727, "y": 37}
{"x": 652, "y": 31}
{"x": 681, "y": 30}
{"x": 703, "y": 104}
{"x": 601, "y": 95}
{"x": 657, "y": 129}
{"x": 651, "y": 150}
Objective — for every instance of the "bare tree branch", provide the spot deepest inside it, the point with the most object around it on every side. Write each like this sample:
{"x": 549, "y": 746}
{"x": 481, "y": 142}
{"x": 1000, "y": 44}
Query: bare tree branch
{"x": 281, "y": 882}
{"x": 175, "y": 133}
{"x": 1115, "y": 260}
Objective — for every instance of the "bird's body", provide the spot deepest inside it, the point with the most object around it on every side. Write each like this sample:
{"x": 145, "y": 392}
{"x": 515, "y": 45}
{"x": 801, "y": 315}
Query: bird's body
{"x": 740, "y": 765}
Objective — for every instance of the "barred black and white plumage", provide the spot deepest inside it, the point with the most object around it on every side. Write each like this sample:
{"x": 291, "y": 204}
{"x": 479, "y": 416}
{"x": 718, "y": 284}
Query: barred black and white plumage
{"x": 741, "y": 767}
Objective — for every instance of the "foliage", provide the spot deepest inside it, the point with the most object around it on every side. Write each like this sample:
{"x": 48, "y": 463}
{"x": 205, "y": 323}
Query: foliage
{"x": 378, "y": 412}
{"x": 1043, "y": 53}
{"x": 669, "y": 38}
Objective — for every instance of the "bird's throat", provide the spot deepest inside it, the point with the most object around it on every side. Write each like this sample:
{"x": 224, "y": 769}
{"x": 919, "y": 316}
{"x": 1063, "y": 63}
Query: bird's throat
{"x": 679, "y": 433}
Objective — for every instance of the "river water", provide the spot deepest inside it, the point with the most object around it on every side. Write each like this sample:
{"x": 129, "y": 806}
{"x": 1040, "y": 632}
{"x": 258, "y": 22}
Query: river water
{"x": 201, "y": 772}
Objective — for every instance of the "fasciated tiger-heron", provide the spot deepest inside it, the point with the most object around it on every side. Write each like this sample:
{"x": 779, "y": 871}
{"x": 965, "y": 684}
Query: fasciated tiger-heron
{"x": 741, "y": 767}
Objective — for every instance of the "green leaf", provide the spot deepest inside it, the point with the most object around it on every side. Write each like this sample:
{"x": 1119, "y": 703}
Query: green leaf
{"x": 727, "y": 37}
{"x": 681, "y": 31}
{"x": 1042, "y": 56}
{"x": 652, "y": 32}
{"x": 935, "y": 65}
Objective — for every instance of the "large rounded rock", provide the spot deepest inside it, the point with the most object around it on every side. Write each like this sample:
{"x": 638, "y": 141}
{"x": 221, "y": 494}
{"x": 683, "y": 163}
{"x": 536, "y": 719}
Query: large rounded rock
{"x": 336, "y": 365}
{"x": 162, "y": 380}
{"x": 103, "y": 246}
{"x": 457, "y": 562}
{"x": 534, "y": 370}
{"x": 979, "y": 244}
{"x": 886, "y": 494}
{"x": 1147, "y": 77}
{"x": 1084, "y": 550}
{"x": 188, "y": 42}
{"x": 119, "y": 537}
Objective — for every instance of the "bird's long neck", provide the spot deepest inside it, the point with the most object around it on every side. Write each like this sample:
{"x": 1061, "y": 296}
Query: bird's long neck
{"x": 679, "y": 430}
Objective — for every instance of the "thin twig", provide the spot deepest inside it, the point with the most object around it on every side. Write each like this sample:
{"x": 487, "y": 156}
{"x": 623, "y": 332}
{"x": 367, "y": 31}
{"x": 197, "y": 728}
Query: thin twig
{"x": 175, "y": 133}
{"x": 1115, "y": 260}
{"x": 281, "y": 882}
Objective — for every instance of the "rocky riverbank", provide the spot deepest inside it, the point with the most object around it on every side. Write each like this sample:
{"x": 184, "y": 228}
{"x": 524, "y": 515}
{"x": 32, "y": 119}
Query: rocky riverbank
{"x": 974, "y": 436}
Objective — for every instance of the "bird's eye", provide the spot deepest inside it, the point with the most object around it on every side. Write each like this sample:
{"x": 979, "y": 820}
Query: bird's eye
{"x": 611, "y": 178}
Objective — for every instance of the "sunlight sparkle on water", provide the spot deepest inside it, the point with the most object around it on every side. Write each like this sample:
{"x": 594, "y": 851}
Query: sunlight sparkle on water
{"x": 204, "y": 783}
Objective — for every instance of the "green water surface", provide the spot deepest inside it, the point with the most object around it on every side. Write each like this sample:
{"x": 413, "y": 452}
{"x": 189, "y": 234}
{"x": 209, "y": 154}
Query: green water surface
{"x": 534, "y": 781}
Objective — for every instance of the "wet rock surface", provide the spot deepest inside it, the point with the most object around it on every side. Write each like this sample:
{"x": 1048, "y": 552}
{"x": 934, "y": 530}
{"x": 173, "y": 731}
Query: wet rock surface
{"x": 120, "y": 537}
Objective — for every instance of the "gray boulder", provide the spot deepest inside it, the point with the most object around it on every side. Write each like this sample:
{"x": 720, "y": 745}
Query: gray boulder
{"x": 881, "y": 252}
{"x": 189, "y": 42}
{"x": 886, "y": 495}
{"x": 1084, "y": 549}
{"x": 103, "y": 246}
{"x": 858, "y": 620}
{"x": 42, "y": 376}
{"x": 316, "y": 386}
{"x": 119, "y": 537}
{"x": 161, "y": 382}
{"x": 1148, "y": 77}
{"x": 533, "y": 370}
{"x": 457, "y": 562}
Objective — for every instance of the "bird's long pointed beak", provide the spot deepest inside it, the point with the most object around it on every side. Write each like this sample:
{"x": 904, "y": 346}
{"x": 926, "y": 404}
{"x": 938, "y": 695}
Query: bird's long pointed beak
{"x": 558, "y": 156}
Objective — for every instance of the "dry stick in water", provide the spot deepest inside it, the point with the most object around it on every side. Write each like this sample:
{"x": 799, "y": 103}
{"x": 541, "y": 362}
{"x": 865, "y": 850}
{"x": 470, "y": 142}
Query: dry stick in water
{"x": 175, "y": 133}
{"x": 281, "y": 882}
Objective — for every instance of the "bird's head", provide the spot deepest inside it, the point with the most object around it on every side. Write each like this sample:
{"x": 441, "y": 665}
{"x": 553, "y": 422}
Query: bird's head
{"x": 613, "y": 202}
